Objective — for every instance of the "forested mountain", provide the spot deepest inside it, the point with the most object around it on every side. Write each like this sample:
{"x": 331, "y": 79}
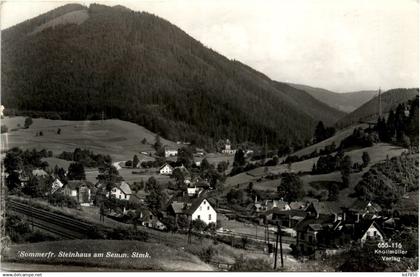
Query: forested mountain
{"x": 314, "y": 107}
{"x": 369, "y": 111}
{"x": 78, "y": 62}
{"x": 346, "y": 102}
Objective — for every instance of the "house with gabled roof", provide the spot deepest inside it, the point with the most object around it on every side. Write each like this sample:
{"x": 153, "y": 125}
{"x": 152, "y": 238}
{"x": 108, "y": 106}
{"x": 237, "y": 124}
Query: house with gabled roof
{"x": 121, "y": 191}
{"x": 199, "y": 208}
{"x": 170, "y": 152}
{"x": 166, "y": 169}
{"x": 56, "y": 185}
{"x": 80, "y": 190}
{"x": 371, "y": 231}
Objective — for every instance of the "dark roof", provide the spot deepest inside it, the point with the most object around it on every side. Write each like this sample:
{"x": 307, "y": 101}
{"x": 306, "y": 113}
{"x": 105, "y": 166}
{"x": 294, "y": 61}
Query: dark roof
{"x": 325, "y": 207}
{"x": 74, "y": 184}
{"x": 303, "y": 225}
{"x": 366, "y": 225}
{"x": 300, "y": 213}
{"x": 298, "y": 205}
{"x": 315, "y": 226}
{"x": 365, "y": 206}
{"x": 188, "y": 206}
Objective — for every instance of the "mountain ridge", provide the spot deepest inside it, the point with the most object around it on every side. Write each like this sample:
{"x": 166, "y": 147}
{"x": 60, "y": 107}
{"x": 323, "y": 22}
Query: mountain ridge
{"x": 346, "y": 101}
{"x": 390, "y": 99}
{"x": 138, "y": 67}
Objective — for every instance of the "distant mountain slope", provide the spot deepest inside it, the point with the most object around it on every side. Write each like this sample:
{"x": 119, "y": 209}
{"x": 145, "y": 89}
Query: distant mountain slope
{"x": 311, "y": 105}
{"x": 346, "y": 102}
{"x": 81, "y": 61}
{"x": 369, "y": 111}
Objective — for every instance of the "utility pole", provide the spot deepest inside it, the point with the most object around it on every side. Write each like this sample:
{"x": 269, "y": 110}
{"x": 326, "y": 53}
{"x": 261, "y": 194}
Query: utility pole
{"x": 278, "y": 237}
{"x": 281, "y": 247}
{"x": 189, "y": 233}
{"x": 277, "y": 246}
{"x": 379, "y": 103}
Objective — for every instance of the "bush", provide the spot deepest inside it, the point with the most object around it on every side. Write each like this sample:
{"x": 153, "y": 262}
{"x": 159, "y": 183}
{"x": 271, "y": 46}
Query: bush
{"x": 246, "y": 264}
{"x": 4, "y": 129}
{"x": 207, "y": 254}
{"x": 28, "y": 122}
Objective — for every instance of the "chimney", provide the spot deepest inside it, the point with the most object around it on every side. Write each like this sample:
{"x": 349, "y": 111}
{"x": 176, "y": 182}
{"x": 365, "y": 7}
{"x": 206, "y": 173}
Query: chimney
{"x": 357, "y": 217}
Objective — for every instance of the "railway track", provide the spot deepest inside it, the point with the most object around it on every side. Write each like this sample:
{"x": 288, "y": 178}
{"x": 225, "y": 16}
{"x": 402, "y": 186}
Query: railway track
{"x": 60, "y": 225}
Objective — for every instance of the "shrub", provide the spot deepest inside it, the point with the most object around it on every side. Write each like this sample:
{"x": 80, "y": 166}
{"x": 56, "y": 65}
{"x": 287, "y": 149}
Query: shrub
{"x": 245, "y": 264}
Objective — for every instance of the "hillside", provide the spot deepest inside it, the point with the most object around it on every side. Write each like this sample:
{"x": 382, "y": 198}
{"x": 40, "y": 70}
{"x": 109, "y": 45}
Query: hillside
{"x": 120, "y": 139}
{"x": 369, "y": 110}
{"x": 311, "y": 105}
{"x": 78, "y": 62}
{"x": 346, "y": 102}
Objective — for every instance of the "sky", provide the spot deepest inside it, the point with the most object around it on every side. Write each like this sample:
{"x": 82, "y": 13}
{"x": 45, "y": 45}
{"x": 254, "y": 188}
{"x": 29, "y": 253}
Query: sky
{"x": 342, "y": 46}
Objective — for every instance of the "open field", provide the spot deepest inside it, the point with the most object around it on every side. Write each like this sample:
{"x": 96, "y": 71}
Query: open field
{"x": 377, "y": 153}
{"x": 120, "y": 139}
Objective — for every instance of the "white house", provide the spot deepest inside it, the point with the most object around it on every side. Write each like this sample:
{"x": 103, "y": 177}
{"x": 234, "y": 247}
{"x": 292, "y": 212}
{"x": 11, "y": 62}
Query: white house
{"x": 170, "y": 152}
{"x": 122, "y": 192}
{"x": 39, "y": 173}
{"x": 373, "y": 232}
{"x": 194, "y": 191}
{"x": 166, "y": 169}
{"x": 228, "y": 148}
{"x": 202, "y": 210}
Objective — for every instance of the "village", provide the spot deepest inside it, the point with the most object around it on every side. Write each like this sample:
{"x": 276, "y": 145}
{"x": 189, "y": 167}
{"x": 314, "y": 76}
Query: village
{"x": 176, "y": 189}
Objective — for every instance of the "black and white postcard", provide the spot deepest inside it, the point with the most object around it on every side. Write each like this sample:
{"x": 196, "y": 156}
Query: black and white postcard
{"x": 209, "y": 135}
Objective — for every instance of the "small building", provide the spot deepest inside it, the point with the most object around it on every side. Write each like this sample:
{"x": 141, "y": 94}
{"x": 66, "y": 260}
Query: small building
{"x": 228, "y": 148}
{"x": 372, "y": 233}
{"x": 56, "y": 185}
{"x": 194, "y": 192}
{"x": 39, "y": 173}
{"x": 200, "y": 151}
{"x": 171, "y": 152}
{"x": 122, "y": 191}
{"x": 79, "y": 190}
{"x": 148, "y": 219}
{"x": 166, "y": 169}
{"x": 267, "y": 205}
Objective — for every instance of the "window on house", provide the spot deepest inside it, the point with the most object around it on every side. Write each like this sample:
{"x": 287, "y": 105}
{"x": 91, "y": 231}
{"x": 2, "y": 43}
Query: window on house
{"x": 209, "y": 216}
{"x": 375, "y": 233}
{"x": 200, "y": 208}
{"x": 198, "y": 217}
{"x": 151, "y": 216}
{"x": 119, "y": 196}
{"x": 208, "y": 208}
